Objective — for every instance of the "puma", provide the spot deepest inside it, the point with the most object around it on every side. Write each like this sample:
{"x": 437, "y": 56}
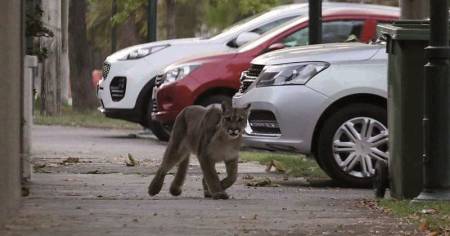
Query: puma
{"x": 213, "y": 135}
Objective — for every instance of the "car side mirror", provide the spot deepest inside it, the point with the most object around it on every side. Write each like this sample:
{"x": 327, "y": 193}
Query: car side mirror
{"x": 275, "y": 46}
{"x": 246, "y": 37}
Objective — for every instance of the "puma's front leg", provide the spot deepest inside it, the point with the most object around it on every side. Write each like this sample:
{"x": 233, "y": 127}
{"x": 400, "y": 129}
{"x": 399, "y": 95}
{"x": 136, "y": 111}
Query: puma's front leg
{"x": 232, "y": 170}
{"x": 211, "y": 178}
{"x": 206, "y": 192}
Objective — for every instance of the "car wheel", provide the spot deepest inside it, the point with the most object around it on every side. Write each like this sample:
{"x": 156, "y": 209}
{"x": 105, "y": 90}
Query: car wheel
{"x": 351, "y": 142}
{"x": 214, "y": 100}
{"x": 161, "y": 131}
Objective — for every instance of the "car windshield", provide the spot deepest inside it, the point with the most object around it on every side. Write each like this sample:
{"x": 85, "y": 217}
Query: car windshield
{"x": 272, "y": 33}
{"x": 242, "y": 24}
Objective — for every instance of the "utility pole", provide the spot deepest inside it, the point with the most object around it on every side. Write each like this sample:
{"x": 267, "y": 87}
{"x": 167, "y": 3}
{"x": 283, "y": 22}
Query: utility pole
{"x": 437, "y": 112}
{"x": 152, "y": 20}
{"x": 315, "y": 21}
{"x": 414, "y": 9}
{"x": 113, "y": 27}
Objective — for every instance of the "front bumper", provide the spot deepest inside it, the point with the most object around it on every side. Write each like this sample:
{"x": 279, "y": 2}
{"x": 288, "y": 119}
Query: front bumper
{"x": 169, "y": 100}
{"x": 296, "y": 110}
{"x": 122, "y": 83}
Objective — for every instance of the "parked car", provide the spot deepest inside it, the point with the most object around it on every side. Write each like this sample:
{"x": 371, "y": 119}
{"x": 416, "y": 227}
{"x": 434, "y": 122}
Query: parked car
{"x": 212, "y": 79}
{"x": 326, "y": 100}
{"x": 128, "y": 75}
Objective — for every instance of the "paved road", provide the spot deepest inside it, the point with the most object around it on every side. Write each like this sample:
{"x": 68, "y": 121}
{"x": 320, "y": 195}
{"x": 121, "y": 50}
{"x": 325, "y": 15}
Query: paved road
{"x": 99, "y": 195}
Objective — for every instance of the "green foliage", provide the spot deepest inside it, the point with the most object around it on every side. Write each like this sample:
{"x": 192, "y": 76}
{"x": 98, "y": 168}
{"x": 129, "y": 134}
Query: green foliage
{"x": 192, "y": 17}
{"x": 222, "y": 13}
{"x": 91, "y": 119}
{"x": 297, "y": 165}
{"x": 432, "y": 216}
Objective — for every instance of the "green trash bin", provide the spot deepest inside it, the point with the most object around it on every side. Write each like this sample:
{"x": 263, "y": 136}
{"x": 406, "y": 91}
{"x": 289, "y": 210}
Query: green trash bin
{"x": 406, "y": 41}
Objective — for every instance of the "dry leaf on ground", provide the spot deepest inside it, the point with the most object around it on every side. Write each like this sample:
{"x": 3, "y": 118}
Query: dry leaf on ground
{"x": 131, "y": 161}
{"x": 277, "y": 165}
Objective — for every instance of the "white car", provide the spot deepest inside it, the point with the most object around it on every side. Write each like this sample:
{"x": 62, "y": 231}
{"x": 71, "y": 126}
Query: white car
{"x": 125, "y": 90}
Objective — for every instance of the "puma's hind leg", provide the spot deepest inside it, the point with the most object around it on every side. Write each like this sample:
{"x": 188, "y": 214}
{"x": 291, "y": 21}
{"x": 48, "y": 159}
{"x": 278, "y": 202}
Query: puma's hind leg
{"x": 178, "y": 181}
{"x": 172, "y": 156}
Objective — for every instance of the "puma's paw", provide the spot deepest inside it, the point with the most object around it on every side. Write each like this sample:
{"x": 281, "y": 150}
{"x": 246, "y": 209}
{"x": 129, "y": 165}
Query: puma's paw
{"x": 154, "y": 188}
{"x": 175, "y": 191}
{"x": 221, "y": 195}
{"x": 207, "y": 194}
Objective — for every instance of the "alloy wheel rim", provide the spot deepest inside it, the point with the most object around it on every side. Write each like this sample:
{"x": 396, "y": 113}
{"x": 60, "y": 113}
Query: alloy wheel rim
{"x": 358, "y": 144}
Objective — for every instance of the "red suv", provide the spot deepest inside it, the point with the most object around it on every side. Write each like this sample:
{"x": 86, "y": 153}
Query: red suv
{"x": 212, "y": 79}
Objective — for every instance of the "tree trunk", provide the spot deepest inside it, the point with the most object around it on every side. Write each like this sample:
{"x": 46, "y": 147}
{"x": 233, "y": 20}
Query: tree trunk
{"x": 170, "y": 19}
{"x": 83, "y": 93}
{"x": 414, "y": 9}
{"x": 129, "y": 33}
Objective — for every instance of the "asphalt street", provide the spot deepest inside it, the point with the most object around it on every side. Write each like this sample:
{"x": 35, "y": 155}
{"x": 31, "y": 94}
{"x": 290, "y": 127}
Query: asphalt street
{"x": 82, "y": 186}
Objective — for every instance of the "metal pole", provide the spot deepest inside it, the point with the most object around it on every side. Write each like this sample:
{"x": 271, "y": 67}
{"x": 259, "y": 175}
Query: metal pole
{"x": 437, "y": 111}
{"x": 152, "y": 20}
{"x": 315, "y": 21}
{"x": 113, "y": 28}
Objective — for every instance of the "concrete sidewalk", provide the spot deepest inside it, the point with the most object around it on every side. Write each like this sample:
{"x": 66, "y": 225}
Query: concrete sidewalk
{"x": 68, "y": 201}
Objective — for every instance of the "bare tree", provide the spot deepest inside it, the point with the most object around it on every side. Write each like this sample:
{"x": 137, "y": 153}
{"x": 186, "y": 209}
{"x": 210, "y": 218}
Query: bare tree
{"x": 80, "y": 54}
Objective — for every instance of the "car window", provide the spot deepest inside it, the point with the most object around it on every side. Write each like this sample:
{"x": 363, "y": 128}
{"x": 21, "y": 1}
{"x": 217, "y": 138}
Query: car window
{"x": 271, "y": 25}
{"x": 332, "y": 32}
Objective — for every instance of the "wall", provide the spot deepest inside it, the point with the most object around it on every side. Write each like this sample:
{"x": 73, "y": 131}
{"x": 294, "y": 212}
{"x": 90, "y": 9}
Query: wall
{"x": 11, "y": 70}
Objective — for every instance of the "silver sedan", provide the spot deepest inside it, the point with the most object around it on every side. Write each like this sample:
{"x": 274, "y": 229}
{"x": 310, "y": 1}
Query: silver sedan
{"x": 326, "y": 100}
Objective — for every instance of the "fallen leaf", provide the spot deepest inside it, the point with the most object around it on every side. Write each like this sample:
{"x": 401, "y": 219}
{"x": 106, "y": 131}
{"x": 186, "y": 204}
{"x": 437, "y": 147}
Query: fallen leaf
{"x": 265, "y": 182}
{"x": 248, "y": 177}
{"x": 428, "y": 211}
{"x": 423, "y": 226}
{"x": 131, "y": 161}
{"x": 71, "y": 160}
{"x": 434, "y": 233}
{"x": 277, "y": 165}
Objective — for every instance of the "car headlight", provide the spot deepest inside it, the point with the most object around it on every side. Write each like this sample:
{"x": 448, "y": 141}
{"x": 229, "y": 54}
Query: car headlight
{"x": 143, "y": 52}
{"x": 179, "y": 72}
{"x": 293, "y": 73}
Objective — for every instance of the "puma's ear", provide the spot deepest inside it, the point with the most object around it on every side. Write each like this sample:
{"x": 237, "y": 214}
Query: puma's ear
{"x": 226, "y": 106}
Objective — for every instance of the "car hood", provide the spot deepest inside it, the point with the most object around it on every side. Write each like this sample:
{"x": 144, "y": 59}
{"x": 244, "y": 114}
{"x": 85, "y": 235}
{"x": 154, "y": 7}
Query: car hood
{"x": 173, "y": 42}
{"x": 321, "y": 52}
{"x": 221, "y": 58}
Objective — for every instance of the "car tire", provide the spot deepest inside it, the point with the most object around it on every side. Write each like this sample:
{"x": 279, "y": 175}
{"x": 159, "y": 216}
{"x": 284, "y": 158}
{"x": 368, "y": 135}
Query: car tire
{"x": 161, "y": 131}
{"x": 351, "y": 141}
{"x": 214, "y": 99}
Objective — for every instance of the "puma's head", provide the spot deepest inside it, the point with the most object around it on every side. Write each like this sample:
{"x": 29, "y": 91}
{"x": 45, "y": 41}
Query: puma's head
{"x": 234, "y": 120}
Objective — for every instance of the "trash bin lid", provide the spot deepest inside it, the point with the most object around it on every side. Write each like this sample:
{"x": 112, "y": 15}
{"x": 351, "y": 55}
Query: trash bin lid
{"x": 406, "y": 30}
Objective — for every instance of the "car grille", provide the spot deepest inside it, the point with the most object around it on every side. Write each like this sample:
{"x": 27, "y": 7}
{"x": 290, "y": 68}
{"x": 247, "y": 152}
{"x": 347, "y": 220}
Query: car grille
{"x": 154, "y": 106}
{"x": 159, "y": 80}
{"x": 117, "y": 88}
{"x": 249, "y": 76}
{"x": 105, "y": 70}
{"x": 263, "y": 122}
{"x": 255, "y": 70}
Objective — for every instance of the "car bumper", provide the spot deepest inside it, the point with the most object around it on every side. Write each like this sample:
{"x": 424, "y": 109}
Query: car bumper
{"x": 285, "y": 118}
{"x": 169, "y": 100}
{"x": 121, "y": 86}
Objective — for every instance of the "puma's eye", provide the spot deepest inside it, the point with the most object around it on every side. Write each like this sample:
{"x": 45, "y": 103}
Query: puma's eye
{"x": 240, "y": 119}
{"x": 228, "y": 119}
